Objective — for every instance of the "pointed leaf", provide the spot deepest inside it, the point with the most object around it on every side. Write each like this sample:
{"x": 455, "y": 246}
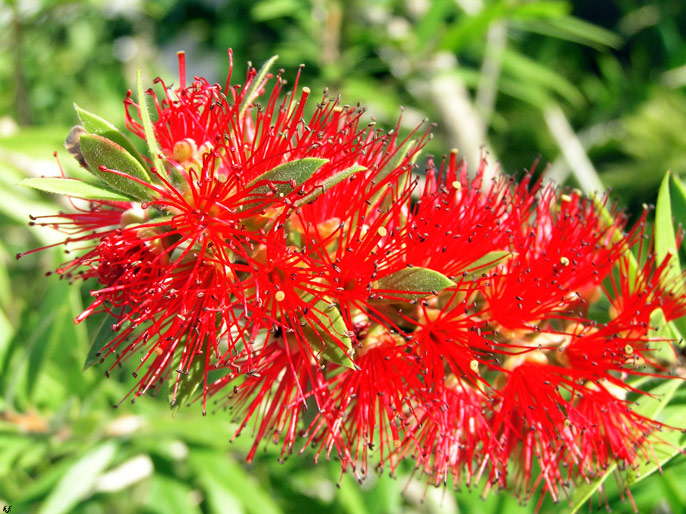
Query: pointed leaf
{"x": 153, "y": 147}
{"x": 665, "y": 243}
{"x": 329, "y": 183}
{"x": 99, "y": 340}
{"x": 327, "y": 332}
{"x": 96, "y": 125}
{"x": 394, "y": 162}
{"x": 282, "y": 177}
{"x": 254, "y": 88}
{"x": 410, "y": 284}
{"x": 488, "y": 261}
{"x": 663, "y": 331}
{"x": 647, "y": 406}
{"x": 75, "y": 188}
{"x": 667, "y": 443}
{"x": 665, "y": 239}
{"x": 99, "y": 151}
{"x": 184, "y": 383}
{"x": 678, "y": 200}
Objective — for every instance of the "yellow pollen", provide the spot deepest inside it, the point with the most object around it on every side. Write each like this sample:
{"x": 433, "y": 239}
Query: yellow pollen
{"x": 158, "y": 350}
{"x": 564, "y": 261}
{"x": 306, "y": 90}
{"x": 280, "y": 295}
{"x": 382, "y": 231}
{"x": 565, "y": 198}
{"x": 456, "y": 185}
{"x": 474, "y": 365}
{"x": 628, "y": 349}
{"x": 567, "y": 423}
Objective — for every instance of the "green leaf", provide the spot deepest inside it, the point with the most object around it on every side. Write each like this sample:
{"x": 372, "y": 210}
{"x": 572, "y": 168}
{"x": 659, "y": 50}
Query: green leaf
{"x": 650, "y": 407}
{"x": 665, "y": 243}
{"x": 678, "y": 200}
{"x": 328, "y": 183}
{"x": 102, "y": 336}
{"x": 75, "y": 188}
{"x": 77, "y": 483}
{"x": 532, "y": 73}
{"x": 96, "y": 125}
{"x": 253, "y": 89}
{"x": 183, "y": 384}
{"x": 471, "y": 29}
{"x": 394, "y": 162}
{"x": 488, "y": 261}
{"x": 667, "y": 443}
{"x": 99, "y": 151}
{"x": 167, "y": 494}
{"x": 576, "y": 30}
{"x": 350, "y": 496}
{"x": 327, "y": 331}
{"x": 411, "y": 284}
{"x": 281, "y": 177}
{"x": 662, "y": 330}
{"x": 153, "y": 147}
{"x": 219, "y": 496}
{"x": 665, "y": 239}
{"x": 242, "y": 485}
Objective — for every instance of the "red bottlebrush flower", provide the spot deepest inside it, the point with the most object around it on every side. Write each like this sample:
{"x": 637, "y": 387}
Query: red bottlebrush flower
{"x": 643, "y": 285}
{"x": 458, "y": 221}
{"x": 449, "y": 434}
{"x": 369, "y": 408}
{"x": 608, "y": 430}
{"x": 566, "y": 248}
{"x": 285, "y": 379}
{"x": 277, "y": 252}
{"x": 221, "y": 249}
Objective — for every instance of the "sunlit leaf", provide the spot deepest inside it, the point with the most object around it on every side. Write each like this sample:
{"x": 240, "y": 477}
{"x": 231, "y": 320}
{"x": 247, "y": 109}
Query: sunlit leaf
{"x": 102, "y": 336}
{"x": 665, "y": 243}
{"x": 666, "y": 443}
{"x": 488, "y": 261}
{"x": 99, "y": 151}
{"x": 75, "y": 188}
{"x": 327, "y": 333}
{"x": 328, "y": 183}
{"x": 183, "y": 383}
{"x": 96, "y": 125}
{"x": 254, "y": 89}
{"x": 410, "y": 284}
{"x": 150, "y": 139}
{"x": 647, "y": 406}
{"x": 286, "y": 177}
{"x": 237, "y": 482}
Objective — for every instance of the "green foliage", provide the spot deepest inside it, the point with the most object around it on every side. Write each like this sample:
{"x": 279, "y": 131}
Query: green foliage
{"x": 74, "y": 188}
{"x": 418, "y": 282}
{"x": 285, "y": 177}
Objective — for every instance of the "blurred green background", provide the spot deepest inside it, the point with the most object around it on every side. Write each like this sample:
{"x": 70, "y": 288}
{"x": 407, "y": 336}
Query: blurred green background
{"x": 596, "y": 90}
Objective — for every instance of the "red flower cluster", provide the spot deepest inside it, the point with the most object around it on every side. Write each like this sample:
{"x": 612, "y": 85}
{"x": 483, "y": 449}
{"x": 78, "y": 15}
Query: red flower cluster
{"x": 283, "y": 257}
